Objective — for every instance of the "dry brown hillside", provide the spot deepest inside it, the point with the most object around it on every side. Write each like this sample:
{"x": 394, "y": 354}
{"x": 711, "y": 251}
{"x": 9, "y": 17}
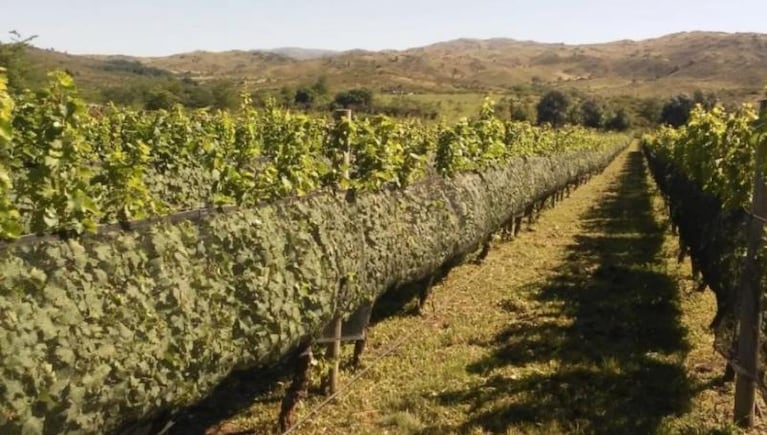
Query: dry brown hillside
{"x": 735, "y": 64}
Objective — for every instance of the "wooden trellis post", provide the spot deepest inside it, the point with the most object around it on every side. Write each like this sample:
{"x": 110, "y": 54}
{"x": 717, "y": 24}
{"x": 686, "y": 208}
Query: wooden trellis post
{"x": 750, "y": 296}
{"x": 334, "y": 347}
{"x": 299, "y": 387}
{"x": 334, "y": 355}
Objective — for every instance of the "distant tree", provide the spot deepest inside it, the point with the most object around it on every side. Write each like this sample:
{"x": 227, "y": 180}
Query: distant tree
{"x": 160, "y": 99}
{"x": 260, "y": 97}
{"x": 592, "y": 114}
{"x": 553, "y": 108}
{"x": 620, "y": 121}
{"x": 304, "y": 97}
{"x": 132, "y": 67}
{"x": 13, "y": 58}
{"x": 320, "y": 87}
{"x": 707, "y": 100}
{"x": 286, "y": 96}
{"x": 359, "y": 99}
{"x": 650, "y": 110}
{"x": 198, "y": 96}
{"x": 225, "y": 94}
{"x": 676, "y": 111}
{"x": 502, "y": 108}
{"x": 521, "y": 112}
{"x": 405, "y": 107}
{"x": 574, "y": 115}
{"x": 128, "y": 95}
{"x": 174, "y": 86}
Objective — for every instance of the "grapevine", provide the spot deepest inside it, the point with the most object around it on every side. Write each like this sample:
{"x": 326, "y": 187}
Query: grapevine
{"x": 9, "y": 216}
{"x": 716, "y": 149}
{"x": 70, "y": 169}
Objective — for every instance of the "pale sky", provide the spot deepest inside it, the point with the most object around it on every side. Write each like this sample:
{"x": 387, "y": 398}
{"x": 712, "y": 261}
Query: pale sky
{"x": 161, "y": 27}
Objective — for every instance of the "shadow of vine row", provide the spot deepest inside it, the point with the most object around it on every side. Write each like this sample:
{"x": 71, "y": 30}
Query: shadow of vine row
{"x": 614, "y": 366}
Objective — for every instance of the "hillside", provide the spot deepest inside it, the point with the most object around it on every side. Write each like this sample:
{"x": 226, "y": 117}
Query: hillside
{"x": 299, "y": 53}
{"x": 734, "y": 64}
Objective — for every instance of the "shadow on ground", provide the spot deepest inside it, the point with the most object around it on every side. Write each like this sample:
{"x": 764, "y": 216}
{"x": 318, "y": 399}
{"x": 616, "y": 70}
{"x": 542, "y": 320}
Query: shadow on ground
{"x": 243, "y": 389}
{"x": 239, "y": 391}
{"x": 609, "y": 336}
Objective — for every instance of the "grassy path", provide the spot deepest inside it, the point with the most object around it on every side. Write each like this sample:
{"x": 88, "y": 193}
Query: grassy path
{"x": 583, "y": 324}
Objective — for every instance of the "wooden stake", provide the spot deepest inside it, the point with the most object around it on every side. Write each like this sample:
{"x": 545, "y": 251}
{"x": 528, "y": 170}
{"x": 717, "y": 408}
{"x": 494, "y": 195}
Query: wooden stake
{"x": 485, "y": 250}
{"x": 529, "y": 213}
{"x": 517, "y": 225}
{"x": 359, "y": 348}
{"x": 423, "y": 296}
{"x": 334, "y": 348}
{"x": 334, "y": 355}
{"x": 750, "y": 298}
{"x": 299, "y": 388}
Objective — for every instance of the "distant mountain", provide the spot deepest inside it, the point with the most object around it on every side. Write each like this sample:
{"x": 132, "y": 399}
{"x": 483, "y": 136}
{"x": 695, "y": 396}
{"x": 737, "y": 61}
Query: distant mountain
{"x": 733, "y": 64}
{"x": 303, "y": 53}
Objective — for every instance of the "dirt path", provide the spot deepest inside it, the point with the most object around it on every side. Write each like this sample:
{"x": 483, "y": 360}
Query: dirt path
{"x": 583, "y": 324}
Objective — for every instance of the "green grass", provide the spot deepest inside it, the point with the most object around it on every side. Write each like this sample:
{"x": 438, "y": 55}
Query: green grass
{"x": 450, "y": 106}
{"x": 583, "y": 324}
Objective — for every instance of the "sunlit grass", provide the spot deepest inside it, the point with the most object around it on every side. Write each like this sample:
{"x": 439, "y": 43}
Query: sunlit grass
{"x": 584, "y": 324}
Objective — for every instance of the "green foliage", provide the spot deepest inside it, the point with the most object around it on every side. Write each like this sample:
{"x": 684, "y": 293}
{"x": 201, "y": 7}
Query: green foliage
{"x": 154, "y": 91}
{"x": 161, "y": 99}
{"x": 225, "y": 95}
{"x": 386, "y": 152}
{"x": 290, "y": 143}
{"x": 58, "y": 159}
{"x": 309, "y": 96}
{"x": 403, "y": 106}
{"x": 474, "y": 144}
{"x": 676, "y": 112}
{"x": 553, "y": 109}
{"x": 487, "y": 141}
{"x": 521, "y": 112}
{"x": 620, "y": 121}
{"x": 133, "y": 67}
{"x": 320, "y": 87}
{"x": 124, "y": 95}
{"x": 358, "y": 99}
{"x": 19, "y": 72}
{"x": 650, "y": 110}
{"x": 304, "y": 97}
{"x": 136, "y": 164}
{"x": 9, "y": 216}
{"x": 197, "y": 96}
{"x": 715, "y": 149}
{"x": 130, "y": 198}
{"x": 113, "y": 328}
{"x": 337, "y": 150}
{"x": 592, "y": 114}
{"x": 706, "y": 170}
{"x": 471, "y": 144}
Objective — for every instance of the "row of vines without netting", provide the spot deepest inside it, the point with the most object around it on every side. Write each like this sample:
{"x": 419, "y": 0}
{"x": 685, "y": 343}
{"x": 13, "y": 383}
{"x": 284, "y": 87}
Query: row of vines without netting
{"x": 710, "y": 173}
{"x": 306, "y": 220}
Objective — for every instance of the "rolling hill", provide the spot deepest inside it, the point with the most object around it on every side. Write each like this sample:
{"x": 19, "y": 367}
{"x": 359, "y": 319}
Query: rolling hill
{"x": 735, "y": 65}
